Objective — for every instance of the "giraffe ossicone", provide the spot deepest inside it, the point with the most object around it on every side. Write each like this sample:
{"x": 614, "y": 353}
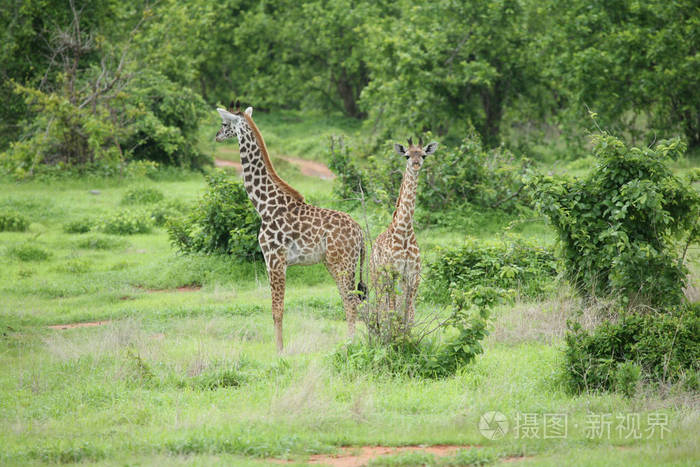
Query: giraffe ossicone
{"x": 292, "y": 231}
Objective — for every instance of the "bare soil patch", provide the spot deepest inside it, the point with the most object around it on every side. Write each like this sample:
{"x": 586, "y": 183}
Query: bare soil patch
{"x": 308, "y": 168}
{"x": 184, "y": 288}
{"x": 311, "y": 168}
{"x": 79, "y": 325}
{"x": 359, "y": 456}
{"x": 225, "y": 163}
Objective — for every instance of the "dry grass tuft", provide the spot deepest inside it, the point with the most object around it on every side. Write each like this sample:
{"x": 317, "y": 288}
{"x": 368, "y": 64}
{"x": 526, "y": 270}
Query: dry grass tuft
{"x": 304, "y": 399}
{"x": 540, "y": 322}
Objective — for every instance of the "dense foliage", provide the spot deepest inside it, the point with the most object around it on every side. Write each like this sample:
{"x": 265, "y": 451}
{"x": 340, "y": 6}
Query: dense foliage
{"x": 424, "y": 353}
{"x": 511, "y": 268}
{"x": 665, "y": 346}
{"x": 224, "y": 222}
{"x": 103, "y": 82}
{"x": 625, "y": 227}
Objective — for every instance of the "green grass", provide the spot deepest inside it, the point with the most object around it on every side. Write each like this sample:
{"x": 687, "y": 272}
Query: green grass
{"x": 193, "y": 378}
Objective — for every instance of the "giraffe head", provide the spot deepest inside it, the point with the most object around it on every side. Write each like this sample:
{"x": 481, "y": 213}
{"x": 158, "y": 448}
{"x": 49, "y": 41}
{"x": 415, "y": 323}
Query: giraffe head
{"x": 415, "y": 153}
{"x": 233, "y": 121}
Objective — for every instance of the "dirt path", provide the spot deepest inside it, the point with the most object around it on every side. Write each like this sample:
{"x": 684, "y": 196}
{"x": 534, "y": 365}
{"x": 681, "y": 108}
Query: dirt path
{"x": 79, "y": 325}
{"x": 359, "y": 456}
{"x": 308, "y": 168}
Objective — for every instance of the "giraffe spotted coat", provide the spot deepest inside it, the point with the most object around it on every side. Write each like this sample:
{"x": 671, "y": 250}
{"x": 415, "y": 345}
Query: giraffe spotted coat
{"x": 292, "y": 231}
{"x": 395, "y": 253}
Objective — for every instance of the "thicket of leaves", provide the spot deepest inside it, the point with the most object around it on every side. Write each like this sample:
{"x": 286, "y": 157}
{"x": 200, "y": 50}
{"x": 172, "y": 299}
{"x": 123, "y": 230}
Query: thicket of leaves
{"x": 510, "y": 268}
{"x": 624, "y": 228}
{"x": 439, "y": 352}
{"x": 223, "y": 222}
{"x": 664, "y": 346}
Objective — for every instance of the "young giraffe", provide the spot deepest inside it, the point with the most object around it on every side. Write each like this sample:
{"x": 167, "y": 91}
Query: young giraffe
{"x": 395, "y": 250}
{"x": 293, "y": 232}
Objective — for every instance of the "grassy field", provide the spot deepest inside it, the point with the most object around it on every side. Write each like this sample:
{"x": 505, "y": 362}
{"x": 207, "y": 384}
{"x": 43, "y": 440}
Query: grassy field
{"x": 184, "y": 370}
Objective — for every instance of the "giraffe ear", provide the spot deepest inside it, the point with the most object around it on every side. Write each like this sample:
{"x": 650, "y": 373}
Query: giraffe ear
{"x": 226, "y": 115}
{"x": 400, "y": 149}
{"x": 431, "y": 148}
{"x": 249, "y": 111}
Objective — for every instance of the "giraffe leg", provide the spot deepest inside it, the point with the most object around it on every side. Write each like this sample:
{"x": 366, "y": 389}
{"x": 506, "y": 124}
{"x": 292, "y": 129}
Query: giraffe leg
{"x": 344, "y": 279}
{"x": 277, "y": 271}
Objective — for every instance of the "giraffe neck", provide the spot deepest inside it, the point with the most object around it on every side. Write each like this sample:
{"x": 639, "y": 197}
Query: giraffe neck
{"x": 406, "y": 204}
{"x": 263, "y": 186}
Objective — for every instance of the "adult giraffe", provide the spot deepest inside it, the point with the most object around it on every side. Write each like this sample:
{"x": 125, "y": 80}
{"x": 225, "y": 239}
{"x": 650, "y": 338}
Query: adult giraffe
{"x": 395, "y": 251}
{"x": 293, "y": 232}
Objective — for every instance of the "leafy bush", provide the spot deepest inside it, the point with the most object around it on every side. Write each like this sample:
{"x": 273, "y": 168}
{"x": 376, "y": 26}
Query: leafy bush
{"x": 13, "y": 222}
{"x": 83, "y": 225}
{"x": 621, "y": 226}
{"x": 420, "y": 354}
{"x": 509, "y": 267}
{"x": 142, "y": 195}
{"x": 27, "y": 252}
{"x": 224, "y": 222}
{"x": 164, "y": 211}
{"x": 665, "y": 347}
{"x": 125, "y": 222}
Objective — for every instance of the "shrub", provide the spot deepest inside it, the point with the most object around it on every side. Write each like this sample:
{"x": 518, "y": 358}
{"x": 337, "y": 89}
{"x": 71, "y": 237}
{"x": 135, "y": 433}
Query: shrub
{"x": 142, "y": 196}
{"x": 224, "y": 222}
{"x": 83, "y": 225}
{"x": 13, "y": 222}
{"x": 422, "y": 353}
{"x": 125, "y": 222}
{"x": 511, "y": 267}
{"x": 164, "y": 211}
{"x": 664, "y": 346}
{"x": 26, "y": 252}
{"x": 620, "y": 228}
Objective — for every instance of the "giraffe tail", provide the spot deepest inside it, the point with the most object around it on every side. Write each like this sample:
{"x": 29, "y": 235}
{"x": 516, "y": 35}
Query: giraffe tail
{"x": 361, "y": 287}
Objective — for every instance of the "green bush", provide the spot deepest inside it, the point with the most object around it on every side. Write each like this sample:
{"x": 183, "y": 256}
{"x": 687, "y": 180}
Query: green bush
{"x": 78, "y": 226}
{"x": 664, "y": 346}
{"x": 13, "y": 222}
{"x": 142, "y": 195}
{"x": 125, "y": 222}
{"x": 420, "y": 355}
{"x": 164, "y": 211}
{"x": 513, "y": 267}
{"x": 624, "y": 227}
{"x": 224, "y": 222}
{"x": 26, "y": 252}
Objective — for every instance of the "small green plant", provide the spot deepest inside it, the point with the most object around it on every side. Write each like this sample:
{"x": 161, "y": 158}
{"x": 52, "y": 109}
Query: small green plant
{"x": 125, "y": 222}
{"x": 13, "y": 222}
{"x": 425, "y": 353}
{"x": 27, "y": 252}
{"x": 142, "y": 195}
{"x": 79, "y": 226}
{"x": 224, "y": 222}
{"x": 512, "y": 267}
{"x": 166, "y": 210}
{"x": 627, "y": 377}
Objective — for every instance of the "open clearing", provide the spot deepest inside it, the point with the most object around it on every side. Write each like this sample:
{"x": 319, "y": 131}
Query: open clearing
{"x": 162, "y": 358}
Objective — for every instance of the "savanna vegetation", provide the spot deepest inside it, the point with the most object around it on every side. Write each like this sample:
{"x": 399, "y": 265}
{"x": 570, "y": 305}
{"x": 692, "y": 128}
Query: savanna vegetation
{"x": 557, "y": 221}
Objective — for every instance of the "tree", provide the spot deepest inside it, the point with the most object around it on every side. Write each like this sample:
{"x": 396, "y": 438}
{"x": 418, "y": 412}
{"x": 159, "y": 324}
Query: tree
{"x": 635, "y": 63}
{"x": 449, "y": 64}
